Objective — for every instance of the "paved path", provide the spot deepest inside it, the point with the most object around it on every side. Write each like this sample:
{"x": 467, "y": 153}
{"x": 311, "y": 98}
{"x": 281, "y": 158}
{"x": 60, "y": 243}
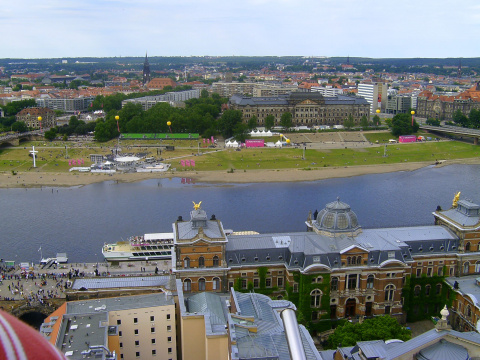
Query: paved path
{"x": 48, "y": 283}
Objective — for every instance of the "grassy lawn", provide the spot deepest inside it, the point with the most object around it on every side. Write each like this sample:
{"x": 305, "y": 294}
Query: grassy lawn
{"x": 51, "y": 156}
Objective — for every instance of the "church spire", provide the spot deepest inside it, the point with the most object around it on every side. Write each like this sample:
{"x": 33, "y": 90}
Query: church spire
{"x": 146, "y": 70}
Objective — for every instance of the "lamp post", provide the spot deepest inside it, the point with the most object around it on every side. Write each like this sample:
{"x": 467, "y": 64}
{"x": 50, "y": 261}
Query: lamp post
{"x": 413, "y": 113}
{"x": 40, "y": 121}
{"x": 118, "y": 128}
{"x": 378, "y": 112}
{"x": 168, "y": 124}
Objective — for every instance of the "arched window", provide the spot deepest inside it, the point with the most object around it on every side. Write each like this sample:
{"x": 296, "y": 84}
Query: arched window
{"x": 427, "y": 290}
{"x": 216, "y": 283}
{"x": 417, "y": 289}
{"x": 439, "y": 289}
{"x": 370, "y": 280}
{"x": 477, "y": 266}
{"x": 359, "y": 260}
{"x": 201, "y": 284}
{"x": 466, "y": 267}
{"x": 215, "y": 260}
{"x": 186, "y": 262}
{"x": 334, "y": 284}
{"x": 389, "y": 292}
{"x": 349, "y": 260}
{"x": 468, "y": 311}
{"x": 201, "y": 261}
{"x": 315, "y": 298}
{"x": 467, "y": 246}
{"x": 187, "y": 285}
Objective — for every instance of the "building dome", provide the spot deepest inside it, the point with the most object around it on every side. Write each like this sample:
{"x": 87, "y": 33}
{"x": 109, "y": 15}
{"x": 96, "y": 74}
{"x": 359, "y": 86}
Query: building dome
{"x": 337, "y": 217}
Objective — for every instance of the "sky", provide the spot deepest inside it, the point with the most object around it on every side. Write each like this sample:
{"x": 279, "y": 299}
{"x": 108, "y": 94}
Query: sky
{"x": 355, "y": 28}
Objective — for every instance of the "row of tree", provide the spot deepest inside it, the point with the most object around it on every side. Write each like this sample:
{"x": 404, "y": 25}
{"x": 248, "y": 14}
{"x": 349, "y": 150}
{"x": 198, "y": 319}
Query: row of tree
{"x": 471, "y": 121}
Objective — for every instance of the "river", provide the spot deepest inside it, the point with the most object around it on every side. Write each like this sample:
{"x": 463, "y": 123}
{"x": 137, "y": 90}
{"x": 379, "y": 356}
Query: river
{"x": 79, "y": 220}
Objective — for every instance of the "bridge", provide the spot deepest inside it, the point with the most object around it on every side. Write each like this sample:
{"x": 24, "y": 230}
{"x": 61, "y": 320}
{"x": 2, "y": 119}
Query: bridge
{"x": 14, "y": 139}
{"x": 447, "y": 129}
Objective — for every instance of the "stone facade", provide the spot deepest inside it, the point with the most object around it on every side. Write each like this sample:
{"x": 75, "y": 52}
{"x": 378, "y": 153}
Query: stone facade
{"x": 30, "y": 117}
{"x": 307, "y": 108}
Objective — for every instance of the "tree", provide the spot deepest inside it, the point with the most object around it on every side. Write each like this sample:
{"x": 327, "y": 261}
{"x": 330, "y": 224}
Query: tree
{"x": 378, "y": 328}
{"x": 252, "y": 122}
{"x": 349, "y": 122}
{"x": 227, "y": 122}
{"x": 51, "y": 134}
{"x": 19, "y": 126}
{"x": 376, "y": 120}
{"x": 240, "y": 132}
{"x": 269, "y": 121}
{"x": 433, "y": 122}
{"x": 402, "y": 125}
{"x": 204, "y": 94}
{"x": 364, "y": 122}
{"x": 474, "y": 117}
{"x": 286, "y": 120}
{"x": 460, "y": 119}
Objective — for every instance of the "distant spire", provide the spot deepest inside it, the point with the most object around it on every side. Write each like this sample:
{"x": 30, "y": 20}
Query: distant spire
{"x": 459, "y": 71}
{"x": 348, "y": 60}
{"x": 146, "y": 70}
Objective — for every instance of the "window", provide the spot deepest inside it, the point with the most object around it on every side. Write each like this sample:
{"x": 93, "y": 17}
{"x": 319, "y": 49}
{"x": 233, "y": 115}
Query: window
{"x": 137, "y": 342}
{"x": 201, "y": 261}
{"x": 334, "y": 284}
{"x": 244, "y": 283}
{"x": 416, "y": 290}
{"x": 168, "y": 316}
{"x": 152, "y": 318}
{"x": 315, "y": 298}
{"x": 153, "y": 341}
{"x": 169, "y": 327}
{"x": 186, "y": 262}
{"x": 427, "y": 290}
{"x": 466, "y": 267}
{"x": 440, "y": 271}
{"x": 154, "y": 352}
{"x": 389, "y": 292}
{"x": 359, "y": 260}
{"x": 295, "y": 287}
{"x": 419, "y": 272}
{"x": 169, "y": 339}
{"x": 137, "y": 354}
{"x": 256, "y": 283}
{"x": 280, "y": 282}
{"x": 352, "y": 282}
{"x": 268, "y": 282}
{"x": 135, "y": 331}
{"x": 121, "y": 344}
{"x": 201, "y": 284}
{"x": 477, "y": 266}
{"x": 215, "y": 260}
{"x": 429, "y": 271}
{"x": 152, "y": 330}
{"x": 452, "y": 271}
{"x": 438, "y": 289}
{"x": 135, "y": 320}
{"x": 119, "y": 322}
{"x": 467, "y": 246}
{"x": 370, "y": 280}
{"x": 169, "y": 350}
{"x": 216, "y": 283}
{"x": 187, "y": 285}
{"x": 120, "y": 333}
{"x": 468, "y": 311}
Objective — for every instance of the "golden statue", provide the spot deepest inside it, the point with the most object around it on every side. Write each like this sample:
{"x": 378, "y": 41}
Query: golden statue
{"x": 455, "y": 199}
{"x": 196, "y": 206}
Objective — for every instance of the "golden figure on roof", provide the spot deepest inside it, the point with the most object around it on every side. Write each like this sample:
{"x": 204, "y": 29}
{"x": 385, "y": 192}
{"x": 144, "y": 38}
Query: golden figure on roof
{"x": 455, "y": 199}
{"x": 196, "y": 206}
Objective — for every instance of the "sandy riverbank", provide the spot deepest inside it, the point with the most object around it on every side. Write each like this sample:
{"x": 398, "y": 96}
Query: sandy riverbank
{"x": 38, "y": 179}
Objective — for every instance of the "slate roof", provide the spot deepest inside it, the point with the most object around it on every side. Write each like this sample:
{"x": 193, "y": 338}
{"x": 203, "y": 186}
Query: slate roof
{"x": 303, "y": 249}
{"x": 283, "y": 100}
{"x": 124, "y": 282}
{"x": 465, "y": 214}
{"x": 187, "y": 230}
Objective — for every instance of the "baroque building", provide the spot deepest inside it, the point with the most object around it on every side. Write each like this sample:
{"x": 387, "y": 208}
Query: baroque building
{"x": 307, "y": 108}
{"x": 30, "y": 117}
{"x": 442, "y": 107}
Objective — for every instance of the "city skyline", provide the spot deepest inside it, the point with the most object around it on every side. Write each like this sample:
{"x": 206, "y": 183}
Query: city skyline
{"x": 107, "y": 28}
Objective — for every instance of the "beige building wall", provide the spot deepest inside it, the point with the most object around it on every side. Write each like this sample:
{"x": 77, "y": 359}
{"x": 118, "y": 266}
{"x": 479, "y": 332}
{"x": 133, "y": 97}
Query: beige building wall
{"x": 146, "y": 333}
{"x": 193, "y": 338}
{"x": 217, "y": 347}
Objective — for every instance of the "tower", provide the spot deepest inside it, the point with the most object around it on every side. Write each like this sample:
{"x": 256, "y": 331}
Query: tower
{"x": 146, "y": 71}
{"x": 459, "y": 71}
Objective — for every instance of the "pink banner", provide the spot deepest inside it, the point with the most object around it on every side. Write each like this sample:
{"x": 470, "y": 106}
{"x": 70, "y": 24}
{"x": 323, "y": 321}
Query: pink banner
{"x": 182, "y": 162}
{"x": 69, "y": 162}
{"x": 204, "y": 140}
{"x": 192, "y": 162}
{"x": 211, "y": 139}
{"x": 187, "y": 162}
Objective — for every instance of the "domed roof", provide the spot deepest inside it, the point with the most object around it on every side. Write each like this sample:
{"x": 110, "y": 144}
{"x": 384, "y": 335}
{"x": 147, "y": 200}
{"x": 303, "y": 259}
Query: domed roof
{"x": 337, "y": 217}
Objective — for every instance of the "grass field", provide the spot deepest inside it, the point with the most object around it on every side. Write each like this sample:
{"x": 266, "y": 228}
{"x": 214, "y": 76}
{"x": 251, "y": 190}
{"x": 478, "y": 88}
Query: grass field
{"x": 51, "y": 156}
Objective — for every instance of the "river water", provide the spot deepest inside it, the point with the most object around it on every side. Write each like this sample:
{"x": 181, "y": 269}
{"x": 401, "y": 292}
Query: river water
{"x": 79, "y": 220}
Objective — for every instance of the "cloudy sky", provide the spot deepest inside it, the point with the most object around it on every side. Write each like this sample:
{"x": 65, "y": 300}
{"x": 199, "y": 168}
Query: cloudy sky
{"x": 370, "y": 28}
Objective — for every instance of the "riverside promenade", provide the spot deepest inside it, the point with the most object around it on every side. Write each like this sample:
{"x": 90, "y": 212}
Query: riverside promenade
{"x": 47, "y": 283}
